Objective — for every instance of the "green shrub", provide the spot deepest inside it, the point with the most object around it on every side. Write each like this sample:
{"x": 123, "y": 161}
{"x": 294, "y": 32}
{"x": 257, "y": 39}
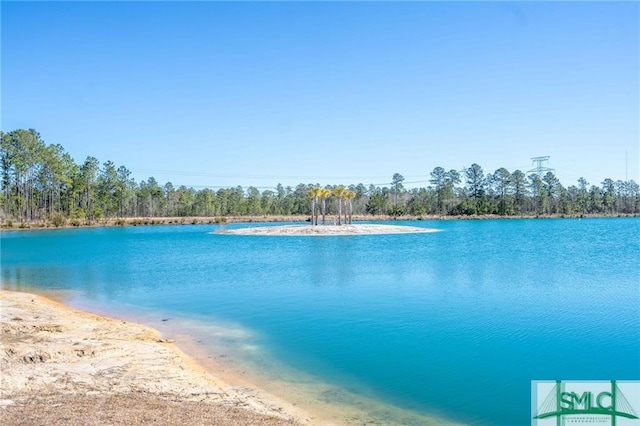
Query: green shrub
{"x": 79, "y": 214}
{"x": 58, "y": 220}
{"x": 97, "y": 213}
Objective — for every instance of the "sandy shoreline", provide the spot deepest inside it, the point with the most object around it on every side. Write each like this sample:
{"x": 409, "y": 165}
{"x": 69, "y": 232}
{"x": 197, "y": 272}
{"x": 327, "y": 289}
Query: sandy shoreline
{"x": 59, "y": 365}
{"x": 63, "y": 366}
{"x": 309, "y": 230}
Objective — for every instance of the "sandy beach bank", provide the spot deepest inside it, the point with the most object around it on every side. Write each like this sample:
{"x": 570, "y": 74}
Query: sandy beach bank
{"x": 309, "y": 230}
{"x": 59, "y": 365}
{"x": 62, "y": 366}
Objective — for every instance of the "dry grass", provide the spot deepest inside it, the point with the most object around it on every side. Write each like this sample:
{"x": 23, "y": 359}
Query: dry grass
{"x": 128, "y": 409}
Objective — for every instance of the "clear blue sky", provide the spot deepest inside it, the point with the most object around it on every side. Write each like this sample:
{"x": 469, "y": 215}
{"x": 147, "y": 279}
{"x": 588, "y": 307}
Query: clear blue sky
{"x": 226, "y": 94}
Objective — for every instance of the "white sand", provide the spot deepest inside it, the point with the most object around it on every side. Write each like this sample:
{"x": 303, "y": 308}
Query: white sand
{"x": 310, "y": 230}
{"x": 55, "y": 356}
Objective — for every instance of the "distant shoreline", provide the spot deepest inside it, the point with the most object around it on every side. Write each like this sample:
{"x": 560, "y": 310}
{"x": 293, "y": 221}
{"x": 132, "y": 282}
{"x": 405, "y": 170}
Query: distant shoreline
{"x": 223, "y": 220}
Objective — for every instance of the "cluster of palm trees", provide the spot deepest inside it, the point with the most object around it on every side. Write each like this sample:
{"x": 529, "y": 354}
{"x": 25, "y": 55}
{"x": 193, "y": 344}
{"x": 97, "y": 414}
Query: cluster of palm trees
{"x": 343, "y": 198}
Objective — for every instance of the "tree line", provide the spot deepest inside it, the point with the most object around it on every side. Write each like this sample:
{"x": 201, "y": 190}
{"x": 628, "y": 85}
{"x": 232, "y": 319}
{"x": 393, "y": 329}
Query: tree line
{"x": 42, "y": 182}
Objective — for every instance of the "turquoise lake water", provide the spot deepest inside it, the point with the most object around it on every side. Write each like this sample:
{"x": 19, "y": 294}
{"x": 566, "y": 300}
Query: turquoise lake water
{"x": 455, "y": 323}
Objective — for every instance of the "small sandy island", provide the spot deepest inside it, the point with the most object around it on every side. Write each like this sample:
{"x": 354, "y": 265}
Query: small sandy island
{"x": 63, "y": 366}
{"x": 309, "y": 230}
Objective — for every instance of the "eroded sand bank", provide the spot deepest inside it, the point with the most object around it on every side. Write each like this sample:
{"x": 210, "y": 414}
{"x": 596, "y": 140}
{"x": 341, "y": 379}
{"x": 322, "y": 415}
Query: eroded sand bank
{"x": 359, "y": 229}
{"x": 63, "y": 366}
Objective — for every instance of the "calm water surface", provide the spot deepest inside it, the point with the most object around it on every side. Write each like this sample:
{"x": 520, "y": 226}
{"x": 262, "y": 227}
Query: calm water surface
{"x": 455, "y": 323}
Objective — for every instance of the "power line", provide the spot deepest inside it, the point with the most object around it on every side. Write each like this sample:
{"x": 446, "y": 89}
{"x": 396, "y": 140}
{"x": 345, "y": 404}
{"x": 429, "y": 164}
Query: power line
{"x": 540, "y": 169}
{"x": 250, "y": 176}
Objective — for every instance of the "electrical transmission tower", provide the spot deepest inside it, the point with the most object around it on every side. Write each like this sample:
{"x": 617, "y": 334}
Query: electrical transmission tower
{"x": 540, "y": 169}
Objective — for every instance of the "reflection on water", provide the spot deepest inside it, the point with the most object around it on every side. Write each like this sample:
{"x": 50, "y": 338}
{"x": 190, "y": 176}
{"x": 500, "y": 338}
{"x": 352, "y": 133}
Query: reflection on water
{"x": 413, "y": 321}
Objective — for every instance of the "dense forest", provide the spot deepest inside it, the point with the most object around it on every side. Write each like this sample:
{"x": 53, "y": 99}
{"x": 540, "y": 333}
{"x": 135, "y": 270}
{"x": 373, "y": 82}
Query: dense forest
{"x": 42, "y": 182}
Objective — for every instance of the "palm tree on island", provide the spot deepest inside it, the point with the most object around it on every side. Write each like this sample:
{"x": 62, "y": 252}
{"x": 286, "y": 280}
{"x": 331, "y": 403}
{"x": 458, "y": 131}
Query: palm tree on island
{"x": 348, "y": 196}
{"x": 313, "y": 194}
{"x": 324, "y": 193}
{"x": 343, "y": 199}
{"x": 338, "y": 193}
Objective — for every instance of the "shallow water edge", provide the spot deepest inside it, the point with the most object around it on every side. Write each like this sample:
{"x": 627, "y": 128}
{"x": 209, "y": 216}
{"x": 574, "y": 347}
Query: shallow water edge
{"x": 224, "y": 350}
